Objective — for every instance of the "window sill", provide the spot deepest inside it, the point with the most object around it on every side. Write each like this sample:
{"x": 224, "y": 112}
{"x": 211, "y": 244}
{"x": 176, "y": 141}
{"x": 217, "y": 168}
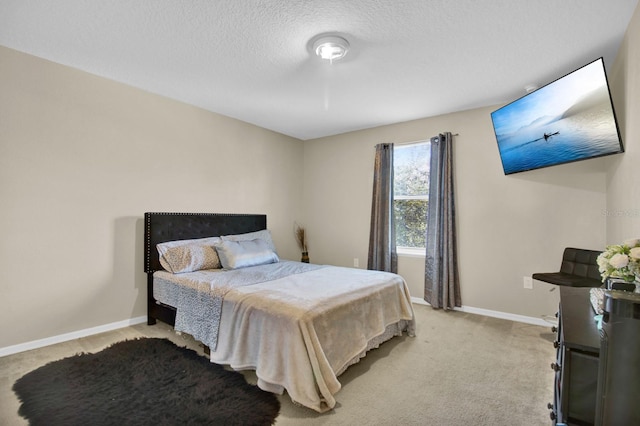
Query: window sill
{"x": 410, "y": 252}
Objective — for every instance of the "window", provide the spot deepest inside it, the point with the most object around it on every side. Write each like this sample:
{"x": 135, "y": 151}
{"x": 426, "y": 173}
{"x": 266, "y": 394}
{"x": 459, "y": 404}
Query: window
{"x": 411, "y": 195}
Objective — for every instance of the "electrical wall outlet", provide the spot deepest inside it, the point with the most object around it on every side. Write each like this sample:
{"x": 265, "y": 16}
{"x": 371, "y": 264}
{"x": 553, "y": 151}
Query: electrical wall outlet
{"x": 356, "y": 262}
{"x": 528, "y": 283}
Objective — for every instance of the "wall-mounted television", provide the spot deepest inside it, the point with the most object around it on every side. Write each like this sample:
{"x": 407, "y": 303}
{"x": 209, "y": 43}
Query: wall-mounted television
{"x": 568, "y": 120}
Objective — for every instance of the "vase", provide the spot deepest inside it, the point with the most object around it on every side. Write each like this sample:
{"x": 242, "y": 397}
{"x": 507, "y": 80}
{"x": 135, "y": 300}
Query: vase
{"x": 620, "y": 284}
{"x": 305, "y": 257}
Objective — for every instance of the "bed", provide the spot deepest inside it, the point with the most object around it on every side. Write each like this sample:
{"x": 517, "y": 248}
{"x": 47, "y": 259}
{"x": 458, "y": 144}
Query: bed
{"x": 298, "y": 325}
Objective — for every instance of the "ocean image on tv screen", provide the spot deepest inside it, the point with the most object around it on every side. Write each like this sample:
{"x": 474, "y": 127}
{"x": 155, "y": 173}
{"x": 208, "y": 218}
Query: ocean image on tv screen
{"x": 568, "y": 120}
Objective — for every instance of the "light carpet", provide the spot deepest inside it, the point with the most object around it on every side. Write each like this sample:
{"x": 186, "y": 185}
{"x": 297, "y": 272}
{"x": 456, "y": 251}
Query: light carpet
{"x": 460, "y": 369}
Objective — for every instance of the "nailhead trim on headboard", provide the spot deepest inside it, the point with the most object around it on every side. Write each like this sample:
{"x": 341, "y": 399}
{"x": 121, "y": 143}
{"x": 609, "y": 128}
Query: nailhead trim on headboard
{"x": 166, "y": 226}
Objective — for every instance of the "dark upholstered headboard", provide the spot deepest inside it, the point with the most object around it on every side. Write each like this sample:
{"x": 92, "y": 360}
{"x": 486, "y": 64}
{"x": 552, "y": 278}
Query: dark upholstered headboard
{"x": 163, "y": 227}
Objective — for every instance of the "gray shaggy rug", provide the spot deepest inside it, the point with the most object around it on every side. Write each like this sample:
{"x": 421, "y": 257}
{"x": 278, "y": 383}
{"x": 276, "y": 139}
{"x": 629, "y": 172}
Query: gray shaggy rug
{"x": 141, "y": 382}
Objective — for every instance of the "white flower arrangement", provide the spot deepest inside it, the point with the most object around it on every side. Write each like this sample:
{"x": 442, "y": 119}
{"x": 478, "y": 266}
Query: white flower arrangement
{"x": 621, "y": 261}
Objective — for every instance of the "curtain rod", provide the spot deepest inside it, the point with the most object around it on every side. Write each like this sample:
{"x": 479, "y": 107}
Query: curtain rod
{"x": 419, "y": 141}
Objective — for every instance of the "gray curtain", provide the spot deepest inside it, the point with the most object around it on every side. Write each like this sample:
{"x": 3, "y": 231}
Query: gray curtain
{"x": 441, "y": 286}
{"x": 382, "y": 239}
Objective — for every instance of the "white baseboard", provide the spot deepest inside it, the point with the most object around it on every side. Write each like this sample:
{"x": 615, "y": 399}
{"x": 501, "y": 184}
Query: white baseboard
{"x": 10, "y": 350}
{"x": 494, "y": 314}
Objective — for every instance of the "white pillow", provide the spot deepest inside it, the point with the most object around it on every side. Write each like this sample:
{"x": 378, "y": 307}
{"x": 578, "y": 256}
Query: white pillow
{"x": 242, "y": 254}
{"x": 265, "y": 235}
{"x": 189, "y": 255}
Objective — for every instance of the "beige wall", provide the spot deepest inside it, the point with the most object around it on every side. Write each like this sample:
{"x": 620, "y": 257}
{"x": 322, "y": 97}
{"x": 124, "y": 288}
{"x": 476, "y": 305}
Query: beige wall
{"x": 623, "y": 179}
{"x": 509, "y": 226}
{"x": 82, "y": 158}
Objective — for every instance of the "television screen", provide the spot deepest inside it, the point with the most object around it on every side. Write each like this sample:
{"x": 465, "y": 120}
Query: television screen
{"x": 568, "y": 120}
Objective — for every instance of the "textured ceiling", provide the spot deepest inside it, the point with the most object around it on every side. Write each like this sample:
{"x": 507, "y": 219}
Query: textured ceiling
{"x": 250, "y": 59}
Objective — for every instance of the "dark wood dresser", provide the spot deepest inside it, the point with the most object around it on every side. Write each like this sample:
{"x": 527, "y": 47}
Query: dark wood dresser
{"x": 577, "y": 359}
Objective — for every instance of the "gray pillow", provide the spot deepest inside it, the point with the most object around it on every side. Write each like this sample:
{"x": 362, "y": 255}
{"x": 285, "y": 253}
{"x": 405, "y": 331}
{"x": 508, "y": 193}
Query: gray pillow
{"x": 265, "y": 234}
{"x": 242, "y": 254}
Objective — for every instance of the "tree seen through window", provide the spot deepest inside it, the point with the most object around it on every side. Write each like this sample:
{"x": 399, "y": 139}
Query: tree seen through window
{"x": 411, "y": 193}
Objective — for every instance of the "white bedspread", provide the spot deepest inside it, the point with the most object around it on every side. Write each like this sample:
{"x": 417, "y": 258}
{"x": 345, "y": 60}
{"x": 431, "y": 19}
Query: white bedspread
{"x": 297, "y": 332}
{"x": 198, "y": 295}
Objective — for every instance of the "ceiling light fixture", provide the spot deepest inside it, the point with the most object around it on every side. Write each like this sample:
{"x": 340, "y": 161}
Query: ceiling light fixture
{"x": 331, "y": 48}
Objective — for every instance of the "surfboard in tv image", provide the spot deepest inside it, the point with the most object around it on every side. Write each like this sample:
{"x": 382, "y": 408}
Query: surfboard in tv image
{"x": 568, "y": 120}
